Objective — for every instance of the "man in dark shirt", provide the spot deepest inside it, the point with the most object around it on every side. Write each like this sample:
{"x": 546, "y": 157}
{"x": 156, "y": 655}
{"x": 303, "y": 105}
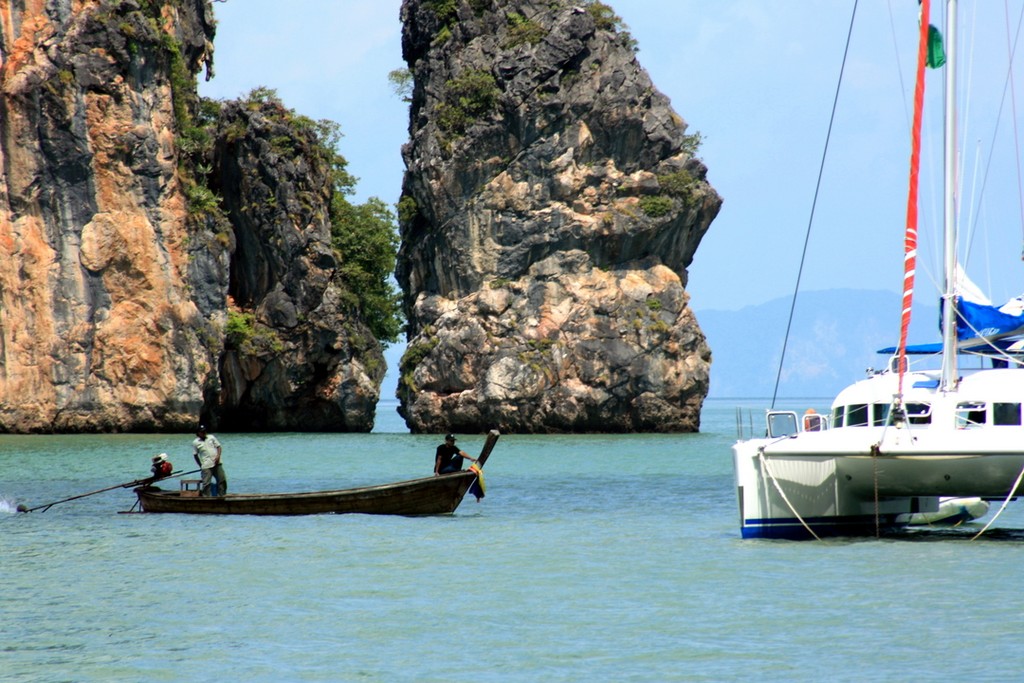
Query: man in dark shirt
{"x": 449, "y": 457}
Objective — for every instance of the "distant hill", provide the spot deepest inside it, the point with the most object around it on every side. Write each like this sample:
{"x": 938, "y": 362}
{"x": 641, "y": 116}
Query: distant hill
{"x": 834, "y": 338}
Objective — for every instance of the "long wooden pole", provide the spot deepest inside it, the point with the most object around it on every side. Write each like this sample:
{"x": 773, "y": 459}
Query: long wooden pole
{"x": 137, "y": 482}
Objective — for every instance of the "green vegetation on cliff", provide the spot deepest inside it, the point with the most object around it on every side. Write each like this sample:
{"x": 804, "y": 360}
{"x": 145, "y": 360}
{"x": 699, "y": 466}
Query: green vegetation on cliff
{"x": 246, "y": 335}
{"x": 467, "y": 97}
{"x": 364, "y": 235}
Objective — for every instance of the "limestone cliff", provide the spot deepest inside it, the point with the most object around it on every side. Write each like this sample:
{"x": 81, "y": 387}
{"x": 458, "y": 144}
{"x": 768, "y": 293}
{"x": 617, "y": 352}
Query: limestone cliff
{"x": 297, "y": 356}
{"x": 551, "y": 205}
{"x": 132, "y": 295}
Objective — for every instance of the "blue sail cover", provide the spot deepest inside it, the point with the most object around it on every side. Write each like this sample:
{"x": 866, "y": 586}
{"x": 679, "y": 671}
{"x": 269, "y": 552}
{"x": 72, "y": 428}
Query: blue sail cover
{"x": 978, "y": 324}
{"x": 982, "y": 322}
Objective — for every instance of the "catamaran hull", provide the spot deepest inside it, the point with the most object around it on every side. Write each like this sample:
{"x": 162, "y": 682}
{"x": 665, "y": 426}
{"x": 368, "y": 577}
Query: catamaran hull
{"x": 791, "y": 497}
{"x": 791, "y": 487}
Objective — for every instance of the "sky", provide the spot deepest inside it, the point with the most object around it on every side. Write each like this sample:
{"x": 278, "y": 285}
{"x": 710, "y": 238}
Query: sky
{"x": 757, "y": 79}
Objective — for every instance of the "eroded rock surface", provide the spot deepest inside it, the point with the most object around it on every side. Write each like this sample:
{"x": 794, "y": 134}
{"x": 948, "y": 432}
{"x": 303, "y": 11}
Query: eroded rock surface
{"x": 127, "y": 296}
{"x": 551, "y": 205}
{"x": 302, "y": 360}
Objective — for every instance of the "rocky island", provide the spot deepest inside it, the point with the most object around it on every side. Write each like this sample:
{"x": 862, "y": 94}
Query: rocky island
{"x": 166, "y": 259}
{"x": 551, "y": 205}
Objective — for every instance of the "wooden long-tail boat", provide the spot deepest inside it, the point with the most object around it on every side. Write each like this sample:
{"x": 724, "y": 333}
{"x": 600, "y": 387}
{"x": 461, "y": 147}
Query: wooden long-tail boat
{"x": 435, "y": 495}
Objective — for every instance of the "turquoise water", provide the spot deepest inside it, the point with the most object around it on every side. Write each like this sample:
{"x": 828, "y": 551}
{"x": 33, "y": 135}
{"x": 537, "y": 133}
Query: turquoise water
{"x": 595, "y": 558}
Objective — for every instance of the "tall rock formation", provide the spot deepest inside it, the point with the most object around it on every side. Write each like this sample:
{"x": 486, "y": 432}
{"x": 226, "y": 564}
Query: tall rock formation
{"x": 125, "y": 290}
{"x": 551, "y": 205}
{"x": 297, "y": 356}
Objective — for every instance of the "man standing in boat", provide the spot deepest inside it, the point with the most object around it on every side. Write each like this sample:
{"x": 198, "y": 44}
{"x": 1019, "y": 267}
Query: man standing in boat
{"x": 206, "y": 450}
{"x": 449, "y": 458}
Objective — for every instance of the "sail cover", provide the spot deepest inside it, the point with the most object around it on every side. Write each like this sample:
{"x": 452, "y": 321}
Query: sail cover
{"x": 979, "y": 321}
{"x": 983, "y": 321}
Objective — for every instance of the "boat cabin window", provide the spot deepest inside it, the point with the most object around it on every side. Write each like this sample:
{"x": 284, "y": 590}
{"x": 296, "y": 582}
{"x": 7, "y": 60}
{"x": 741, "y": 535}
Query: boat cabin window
{"x": 837, "y": 417}
{"x": 970, "y": 414}
{"x": 919, "y": 413}
{"x": 879, "y": 414}
{"x": 1006, "y": 414}
{"x": 782, "y": 424}
{"x": 814, "y": 422}
{"x": 857, "y": 415}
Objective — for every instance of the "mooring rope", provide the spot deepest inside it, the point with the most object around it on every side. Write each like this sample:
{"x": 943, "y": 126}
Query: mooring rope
{"x": 771, "y": 477}
{"x": 1006, "y": 502}
{"x": 875, "y": 452}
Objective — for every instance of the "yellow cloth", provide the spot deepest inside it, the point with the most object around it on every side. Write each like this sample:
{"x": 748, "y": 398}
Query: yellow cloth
{"x": 479, "y": 476}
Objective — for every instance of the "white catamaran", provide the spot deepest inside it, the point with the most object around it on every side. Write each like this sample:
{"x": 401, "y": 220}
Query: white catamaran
{"x": 898, "y": 443}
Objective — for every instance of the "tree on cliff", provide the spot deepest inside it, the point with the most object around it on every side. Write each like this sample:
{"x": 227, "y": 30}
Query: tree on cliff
{"x": 364, "y": 235}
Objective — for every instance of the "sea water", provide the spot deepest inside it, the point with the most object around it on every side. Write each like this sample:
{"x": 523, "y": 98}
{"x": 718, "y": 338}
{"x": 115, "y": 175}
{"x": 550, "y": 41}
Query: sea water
{"x": 592, "y": 558}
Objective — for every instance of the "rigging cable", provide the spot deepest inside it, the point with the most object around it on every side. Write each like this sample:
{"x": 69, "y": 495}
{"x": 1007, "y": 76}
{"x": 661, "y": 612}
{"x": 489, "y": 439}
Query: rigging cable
{"x": 1007, "y": 87}
{"x": 1013, "y": 109}
{"x": 814, "y": 203}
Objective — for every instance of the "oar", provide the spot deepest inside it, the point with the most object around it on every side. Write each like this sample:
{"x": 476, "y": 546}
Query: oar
{"x": 137, "y": 482}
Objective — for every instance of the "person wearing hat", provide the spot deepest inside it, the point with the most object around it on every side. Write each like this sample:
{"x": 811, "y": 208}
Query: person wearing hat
{"x": 206, "y": 450}
{"x": 449, "y": 458}
{"x": 162, "y": 467}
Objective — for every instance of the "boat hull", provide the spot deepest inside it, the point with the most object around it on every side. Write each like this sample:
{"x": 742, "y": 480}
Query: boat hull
{"x": 438, "y": 495}
{"x": 801, "y": 497}
{"x": 839, "y": 485}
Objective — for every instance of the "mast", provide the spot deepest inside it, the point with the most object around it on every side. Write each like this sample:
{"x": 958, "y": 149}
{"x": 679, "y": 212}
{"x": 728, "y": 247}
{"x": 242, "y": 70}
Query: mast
{"x": 949, "y": 341}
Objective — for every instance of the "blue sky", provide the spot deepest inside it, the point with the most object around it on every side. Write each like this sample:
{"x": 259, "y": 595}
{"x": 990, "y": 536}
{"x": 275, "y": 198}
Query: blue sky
{"x": 756, "y": 78}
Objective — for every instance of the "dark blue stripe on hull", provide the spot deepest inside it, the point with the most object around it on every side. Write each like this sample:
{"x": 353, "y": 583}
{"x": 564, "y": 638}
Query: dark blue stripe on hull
{"x": 791, "y": 529}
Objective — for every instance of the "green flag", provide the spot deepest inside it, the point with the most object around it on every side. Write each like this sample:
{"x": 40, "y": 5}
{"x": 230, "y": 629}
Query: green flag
{"x": 936, "y": 53}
